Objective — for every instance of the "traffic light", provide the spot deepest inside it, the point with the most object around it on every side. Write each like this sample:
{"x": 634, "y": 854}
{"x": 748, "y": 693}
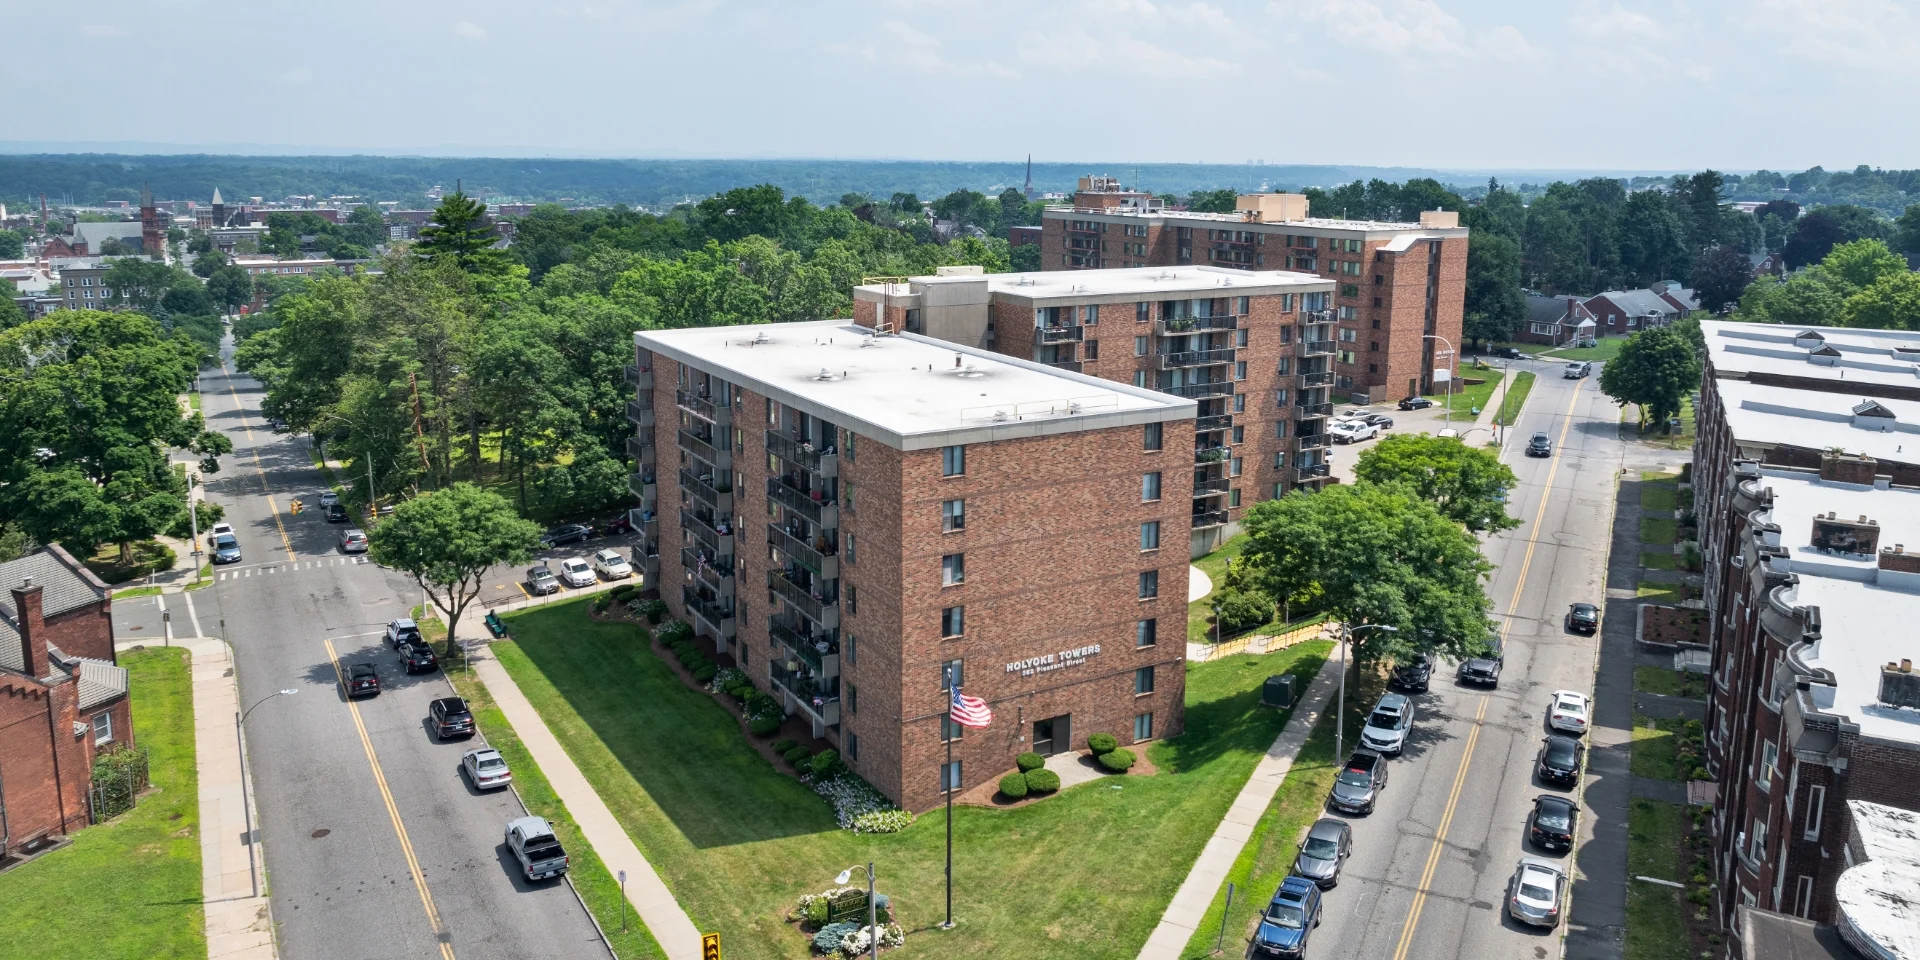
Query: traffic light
{"x": 709, "y": 946}
{"x": 297, "y": 506}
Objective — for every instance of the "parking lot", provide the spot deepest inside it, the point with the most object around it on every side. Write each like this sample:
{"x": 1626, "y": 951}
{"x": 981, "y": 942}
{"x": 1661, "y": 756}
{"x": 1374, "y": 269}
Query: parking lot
{"x": 509, "y": 584}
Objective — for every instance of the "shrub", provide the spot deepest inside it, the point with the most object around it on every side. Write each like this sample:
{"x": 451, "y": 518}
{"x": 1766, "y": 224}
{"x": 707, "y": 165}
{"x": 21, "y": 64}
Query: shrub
{"x": 1042, "y": 781}
{"x": 1244, "y": 610}
{"x": 824, "y": 762}
{"x": 761, "y": 726}
{"x": 784, "y": 744}
{"x": 831, "y": 936}
{"x": 1013, "y": 786}
{"x": 705, "y": 671}
{"x": 623, "y": 593}
{"x": 740, "y": 692}
{"x": 653, "y": 610}
{"x": 674, "y": 630}
{"x": 1117, "y": 760}
{"x": 796, "y": 755}
{"x": 1029, "y": 761}
{"x": 879, "y": 821}
{"x": 601, "y": 603}
{"x": 1101, "y": 743}
{"x": 818, "y": 909}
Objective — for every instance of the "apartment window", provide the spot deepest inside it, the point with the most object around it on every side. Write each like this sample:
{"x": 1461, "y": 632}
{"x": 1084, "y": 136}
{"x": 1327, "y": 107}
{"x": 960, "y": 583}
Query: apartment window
{"x": 950, "y": 777}
{"x": 953, "y": 569}
{"x": 1239, "y": 434}
{"x": 1142, "y": 311}
{"x": 1146, "y": 632}
{"x": 1344, "y": 356}
{"x": 1348, "y": 335}
{"x": 1373, "y": 346}
{"x": 1280, "y": 460}
{"x": 1279, "y": 490}
{"x": 1233, "y": 467}
{"x": 846, "y": 487}
{"x": 1376, "y": 301}
{"x": 1149, "y": 584}
{"x": 1139, "y": 346}
{"x": 850, "y": 647}
{"x": 853, "y": 599}
{"x": 1150, "y": 535}
{"x": 1349, "y": 289}
{"x": 1376, "y": 323}
{"x": 1233, "y": 497}
{"x": 1143, "y": 727}
{"x": 1280, "y": 400}
{"x": 1816, "y": 800}
{"x": 1803, "y": 897}
{"x": 849, "y": 547}
{"x": 102, "y": 728}
{"x": 853, "y": 746}
{"x": 853, "y": 698}
{"x": 1240, "y": 338}
{"x": 1348, "y": 314}
{"x": 1150, "y": 487}
{"x": 950, "y": 730}
{"x": 1143, "y": 680}
{"x": 953, "y": 461}
{"x": 953, "y": 622}
{"x": 1139, "y": 378}
{"x": 848, "y": 445}
{"x": 1154, "y": 436}
{"x": 1239, "y": 403}
{"x": 1757, "y": 841}
{"x": 953, "y": 516}
{"x": 1378, "y": 280}
{"x": 951, "y": 674}
{"x": 1239, "y": 369}
{"x": 1280, "y": 428}
{"x": 1090, "y": 315}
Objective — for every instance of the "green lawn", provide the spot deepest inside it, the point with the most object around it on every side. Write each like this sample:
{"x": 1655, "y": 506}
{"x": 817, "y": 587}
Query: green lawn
{"x": 1657, "y": 559}
{"x": 147, "y": 556}
{"x": 1659, "y": 592}
{"x": 130, "y": 887}
{"x": 132, "y": 592}
{"x": 1200, "y": 612}
{"x": 1670, "y": 683}
{"x": 1515, "y": 396}
{"x": 1656, "y": 918}
{"x": 1606, "y": 349}
{"x": 1466, "y": 397}
{"x": 1654, "y": 755}
{"x": 1659, "y": 495}
{"x": 738, "y": 841}
{"x": 1657, "y": 530}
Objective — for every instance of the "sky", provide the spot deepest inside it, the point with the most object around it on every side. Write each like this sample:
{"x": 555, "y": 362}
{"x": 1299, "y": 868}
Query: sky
{"x": 1450, "y": 84}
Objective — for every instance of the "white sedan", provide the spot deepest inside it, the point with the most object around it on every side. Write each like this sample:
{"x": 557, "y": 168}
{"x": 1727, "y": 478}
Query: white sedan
{"x": 575, "y": 572}
{"x": 1351, "y": 431}
{"x": 486, "y": 768}
{"x": 611, "y": 565}
{"x": 1569, "y": 711}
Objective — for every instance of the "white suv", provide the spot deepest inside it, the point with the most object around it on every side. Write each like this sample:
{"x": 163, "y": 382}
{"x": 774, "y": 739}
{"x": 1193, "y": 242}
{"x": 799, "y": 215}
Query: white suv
{"x": 1387, "y": 725}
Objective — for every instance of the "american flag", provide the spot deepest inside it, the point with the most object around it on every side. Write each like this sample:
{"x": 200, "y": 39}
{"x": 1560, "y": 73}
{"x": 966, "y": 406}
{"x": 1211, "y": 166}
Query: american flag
{"x": 969, "y": 711}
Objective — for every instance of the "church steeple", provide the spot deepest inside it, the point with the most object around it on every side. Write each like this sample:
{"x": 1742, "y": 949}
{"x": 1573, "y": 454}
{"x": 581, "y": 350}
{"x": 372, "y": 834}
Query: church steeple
{"x": 1029, "y": 190}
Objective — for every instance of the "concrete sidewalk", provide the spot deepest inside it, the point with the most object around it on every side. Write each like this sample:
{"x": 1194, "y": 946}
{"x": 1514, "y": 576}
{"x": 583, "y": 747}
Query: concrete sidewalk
{"x": 1196, "y": 893}
{"x": 645, "y": 890}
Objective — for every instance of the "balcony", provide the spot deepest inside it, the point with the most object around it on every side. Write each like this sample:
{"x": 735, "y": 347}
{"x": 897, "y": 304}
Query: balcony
{"x": 639, "y": 379}
{"x": 1196, "y": 325}
{"x": 1312, "y": 441}
{"x": 1311, "y": 472}
{"x": 646, "y": 556}
{"x": 1317, "y": 316}
{"x": 1195, "y": 391}
{"x": 1072, "y": 334}
{"x": 1073, "y": 365}
{"x": 719, "y": 497}
{"x": 715, "y": 572}
{"x": 640, "y": 413}
{"x": 1211, "y": 488}
{"x": 707, "y": 531}
{"x": 824, "y": 563}
{"x": 1310, "y": 381}
{"x": 1316, "y": 348}
{"x": 812, "y": 504}
{"x": 825, "y": 462}
{"x": 818, "y": 651}
{"x": 643, "y": 485}
{"x": 1209, "y": 518}
{"x": 640, "y": 447}
{"x": 720, "y": 458}
{"x": 824, "y": 611}
{"x": 1218, "y": 422}
{"x": 1205, "y": 455}
{"x": 702, "y": 407}
{"x": 1308, "y": 411}
{"x": 818, "y": 698}
{"x": 1195, "y": 358}
{"x": 717, "y": 618}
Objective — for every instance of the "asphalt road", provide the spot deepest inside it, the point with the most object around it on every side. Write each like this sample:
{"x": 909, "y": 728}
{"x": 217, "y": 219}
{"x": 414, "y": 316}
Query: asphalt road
{"x": 1428, "y": 876}
{"x": 375, "y": 845}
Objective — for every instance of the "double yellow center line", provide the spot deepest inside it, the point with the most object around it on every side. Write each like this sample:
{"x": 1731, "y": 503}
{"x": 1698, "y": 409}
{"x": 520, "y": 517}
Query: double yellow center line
{"x": 1473, "y": 736}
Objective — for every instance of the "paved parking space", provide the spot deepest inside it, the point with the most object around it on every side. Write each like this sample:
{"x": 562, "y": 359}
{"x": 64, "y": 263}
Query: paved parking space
{"x": 509, "y": 584}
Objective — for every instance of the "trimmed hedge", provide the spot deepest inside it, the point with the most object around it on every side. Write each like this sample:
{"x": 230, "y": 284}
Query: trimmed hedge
{"x": 824, "y": 762}
{"x": 623, "y": 593}
{"x": 1042, "y": 781}
{"x": 781, "y": 746}
{"x": 674, "y": 630}
{"x": 1102, "y": 743}
{"x": 1117, "y": 760}
{"x": 705, "y": 671}
{"x": 1013, "y": 786}
{"x": 1029, "y": 761}
{"x": 795, "y": 755}
{"x": 761, "y": 726}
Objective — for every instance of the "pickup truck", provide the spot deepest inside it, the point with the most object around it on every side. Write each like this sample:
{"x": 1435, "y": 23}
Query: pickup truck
{"x": 532, "y": 842}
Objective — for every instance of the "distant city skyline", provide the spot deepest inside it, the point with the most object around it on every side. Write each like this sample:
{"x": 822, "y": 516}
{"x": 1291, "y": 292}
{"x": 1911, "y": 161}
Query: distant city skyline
{"x": 1445, "y": 84}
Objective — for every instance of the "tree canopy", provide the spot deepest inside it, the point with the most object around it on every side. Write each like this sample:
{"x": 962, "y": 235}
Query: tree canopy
{"x": 1465, "y": 484}
{"x": 447, "y": 540}
{"x": 1655, "y": 369}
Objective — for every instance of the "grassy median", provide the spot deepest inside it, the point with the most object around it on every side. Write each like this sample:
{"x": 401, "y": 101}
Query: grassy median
{"x": 130, "y": 887}
{"x": 1656, "y": 918}
{"x": 737, "y": 841}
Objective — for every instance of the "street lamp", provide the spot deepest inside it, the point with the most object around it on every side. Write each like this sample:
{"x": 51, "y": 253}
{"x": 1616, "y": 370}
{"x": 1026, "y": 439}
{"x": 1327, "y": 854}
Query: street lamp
{"x": 246, "y": 805}
{"x": 873, "y": 910}
{"x": 1340, "y": 717}
{"x": 1450, "y": 377}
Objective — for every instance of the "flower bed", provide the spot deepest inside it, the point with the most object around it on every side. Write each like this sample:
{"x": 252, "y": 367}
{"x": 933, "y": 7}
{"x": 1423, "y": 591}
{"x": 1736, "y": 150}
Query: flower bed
{"x": 857, "y": 806}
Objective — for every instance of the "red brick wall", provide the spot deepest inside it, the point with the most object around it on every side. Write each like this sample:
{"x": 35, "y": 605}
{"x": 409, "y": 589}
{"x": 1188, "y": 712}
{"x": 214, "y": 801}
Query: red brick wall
{"x": 44, "y": 768}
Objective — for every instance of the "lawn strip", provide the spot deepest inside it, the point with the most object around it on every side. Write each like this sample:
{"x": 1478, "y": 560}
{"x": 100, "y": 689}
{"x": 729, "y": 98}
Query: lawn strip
{"x": 1656, "y": 914}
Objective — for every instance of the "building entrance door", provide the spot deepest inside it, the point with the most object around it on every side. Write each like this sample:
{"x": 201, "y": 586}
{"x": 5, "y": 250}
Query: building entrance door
{"x": 1053, "y": 735}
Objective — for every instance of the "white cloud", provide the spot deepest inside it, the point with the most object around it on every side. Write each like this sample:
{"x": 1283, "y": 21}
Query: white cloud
{"x": 1410, "y": 26}
{"x": 1618, "y": 21}
{"x": 469, "y": 30}
{"x": 1506, "y": 42}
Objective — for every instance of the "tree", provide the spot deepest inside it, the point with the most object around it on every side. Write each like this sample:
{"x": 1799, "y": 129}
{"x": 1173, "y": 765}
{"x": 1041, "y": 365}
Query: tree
{"x": 1374, "y": 555}
{"x": 1701, "y": 197}
{"x": 1816, "y": 234}
{"x": 1892, "y": 302}
{"x": 461, "y": 233}
{"x": 1465, "y": 484}
{"x": 1213, "y": 201}
{"x": 1495, "y": 305}
{"x": 448, "y": 540}
{"x": 1655, "y": 369}
{"x": 1720, "y": 275}
{"x": 206, "y": 263}
{"x": 140, "y": 283}
{"x": 1653, "y": 240}
{"x": 230, "y": 286}
{"x": 1861, "y": 263}
{"x": 13, "y": 246}
{"x": 115, "y": 247}
{"x": 188, "y": 297}
{"x": 11, "y": 315}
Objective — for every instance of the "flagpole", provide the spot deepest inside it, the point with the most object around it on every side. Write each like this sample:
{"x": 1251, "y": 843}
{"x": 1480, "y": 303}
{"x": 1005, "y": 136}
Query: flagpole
{"x": 944, "y": 731}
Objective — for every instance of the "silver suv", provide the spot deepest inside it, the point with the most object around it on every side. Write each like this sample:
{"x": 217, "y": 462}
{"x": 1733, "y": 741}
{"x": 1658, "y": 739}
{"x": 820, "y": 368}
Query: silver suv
{"x": 1387, "y": 725}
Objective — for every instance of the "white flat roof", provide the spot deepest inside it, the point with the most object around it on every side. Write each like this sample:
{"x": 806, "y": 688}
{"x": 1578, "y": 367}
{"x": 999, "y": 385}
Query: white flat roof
{"x": 1765, "y": 415}
{"x": 1125, "y": 283}
{"x": 908, "y": 391}
{"x": 1333, "y": 223}
{"x": 1865, "y": 356}
{"x": 1877, "y": 897}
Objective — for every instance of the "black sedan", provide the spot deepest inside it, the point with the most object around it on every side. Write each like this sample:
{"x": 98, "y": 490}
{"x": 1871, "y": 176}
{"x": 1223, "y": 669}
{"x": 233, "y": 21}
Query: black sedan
{"x": 565, "y": 533}
{"x": 418, "y": 657}
{"x": 1583, "y": 618}
{"x": 362, "y": 680}
{"x": 1481, "y": 671}
{"x": 450, "y": 718}
{"x": 1415, "y": 403}
{"x": 1559, "y": 761}
{"x": 1415, "y": 675}
{"x": 1550, "y": 826}
{"x": 1327, "y": 846}
{"x": 1380, "y": 420}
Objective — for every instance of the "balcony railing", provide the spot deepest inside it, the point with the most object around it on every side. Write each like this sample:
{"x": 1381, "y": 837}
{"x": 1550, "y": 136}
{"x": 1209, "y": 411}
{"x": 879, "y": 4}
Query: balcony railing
{"x": 1072, "y": 334}
{"x": 1315, "y": 348}
{"x": 715, "y": 572}
{"x": 807, "y": 455}
{"x": 825, "y": 563}
{"x": 1209, "y": 518}
{"x": 819, "y": 651}
{"x": 702, "y": 407}
{"x": 823, "y": 512}
{"x": 818, "y": 698}
{"x": 640, "y": 413}
{"x": 708, "y": 533}
{"x": 717, "y": 618}
{"x": 1210, "y": 454}
{"x": 1218, "y": 422}
{"x": 643, "y": 486}
{"x": 1211, "y": 488}
{"x": 1310, "y": 472}
{"x": 1197, "y": 325}
{"x": 1195, "y": 358}
{"x": 1317, "y": 316}
{"x": 824, "y": 611}
{"x": 639, "y": 379}
{"x": 640, "y": 447}
{"x": 1073, "y": 365}
{"x": 720, "y": 458}
{"x": 1312, "y": 441}
{"x": 1307, "y": 411}
{"x": 719, "y": 497}
{"x": 1194, "y": 391}
{"x": 1310, "y": 381}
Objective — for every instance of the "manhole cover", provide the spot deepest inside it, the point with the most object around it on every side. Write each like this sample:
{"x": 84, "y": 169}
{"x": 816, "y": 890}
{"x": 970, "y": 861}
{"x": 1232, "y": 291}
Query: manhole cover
{"x": 323, "y": 831}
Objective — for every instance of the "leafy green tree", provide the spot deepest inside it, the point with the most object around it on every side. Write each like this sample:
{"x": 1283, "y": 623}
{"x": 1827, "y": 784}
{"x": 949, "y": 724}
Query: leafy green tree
{"x": 1213, "y": 201}
{"x": 1891, "y": 302}
{"x": 448, "y": 540}
{"x": 11, "y": 316}
{"x": 230, "y": 286}
{"x": 1653, "y": 240}
{"x": 1655, "y": 369}
{"x": 1701, "y": 197}
{"x": 1720, "y": 275}
{"x": 116, "y": 247}
{"x": 461, "y": 233}
{"x": 365, "y": 227}
{"x": 1816, "y": 234}
{"x": 1026, "y": 259}
{"x": 206, "y": 263}
{"x": 141, "y": 284}
{"x": 1465, "y": 484}
{"x": 1495, "y": 305}
{"x": 1375, "y": 555}
{"x": 1861, "y": 263}
{"x": 188, "y": 296}
{"x": 13, "y": 245}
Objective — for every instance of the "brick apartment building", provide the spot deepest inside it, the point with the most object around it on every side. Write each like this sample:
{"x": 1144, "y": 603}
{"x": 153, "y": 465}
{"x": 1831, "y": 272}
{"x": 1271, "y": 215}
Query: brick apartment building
{"x": 1255, "y": 350}
{"x": 1396, "y": 284}
{"x": 1810, "y": 536}
{"x": 62, "y": 697}
{"x": 859, "y": 520}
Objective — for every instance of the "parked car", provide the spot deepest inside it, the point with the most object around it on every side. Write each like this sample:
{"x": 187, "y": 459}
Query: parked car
{"x": 1327, "y": 846}
{"x": 402, "y": 631}
{"x": 1583, "y": 618}
{"x": 450, "y": 718}
{"x": 335, "y": 512}
{"x": 1568, "y": 711}
{"x": 575, "y": 572}
{"x": 1510, "y": 353}
{"x": 226, "y": 548}
{"x": 1559, "y": 761}
{"x": 353, "y": 541}
{"x": 220, "y": 528}
{"x": 1416, "y": 674}
{"x": 1550, "y": 825}
{"x": 621, "y": 522}
{"x": 1288, "y": 921}
{"x": 1388, "y": 725}
{"x": 1540, "y": 445}
{"x": 1352, "y": 431}
{"x": 1415, "y": 403}
{"x": 612, "y": 565}
{"x": 1380, "y": 420}
{"x": 362, "y": 680}
{"x": 1359, "y": 783}
{"x": 531, "y": 841}
{"x": 1535, "y": 892}
{"x": 541, "y": 581}
{"x": 1480, "y": 671}
{"x": 485, "y": 768}
{"x": 417, "y": 656}
{"x": 328, "y": 498}
{"x": 565, "y": 533}
{"x": 1576, "y": 370}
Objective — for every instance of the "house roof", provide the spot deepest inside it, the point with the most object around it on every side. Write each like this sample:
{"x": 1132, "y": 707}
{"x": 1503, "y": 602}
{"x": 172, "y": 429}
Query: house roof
{"x": 65, "y": 586}
{"x": 1637, "y": 303}
{"x": 1545, "y": 309}
{"x": 1685, "y": 296}
{"x": 100, "y": 682}
{"x": 97, "y": 233}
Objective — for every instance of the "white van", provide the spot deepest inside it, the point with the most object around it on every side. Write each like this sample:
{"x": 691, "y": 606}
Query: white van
{"x": 1578, "y": 369}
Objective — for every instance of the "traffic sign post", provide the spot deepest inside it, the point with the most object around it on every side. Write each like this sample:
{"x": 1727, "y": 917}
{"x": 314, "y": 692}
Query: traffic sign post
{"x": 623, "y": 901}
{"x": 709, "y": 946}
